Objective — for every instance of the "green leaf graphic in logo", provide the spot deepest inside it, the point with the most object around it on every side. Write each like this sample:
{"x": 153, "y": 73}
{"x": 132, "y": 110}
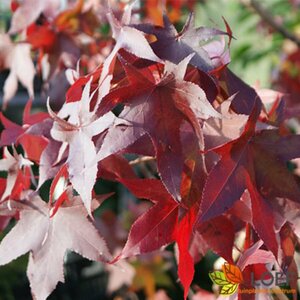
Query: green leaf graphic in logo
{"x": 228, "y": 289}
{"x": 219, "y": 278}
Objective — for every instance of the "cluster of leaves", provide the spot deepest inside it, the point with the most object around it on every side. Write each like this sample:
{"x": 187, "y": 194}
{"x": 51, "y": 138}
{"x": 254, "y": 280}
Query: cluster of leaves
{"x": 228, "y": 279}
{"x": 221, "y": 151}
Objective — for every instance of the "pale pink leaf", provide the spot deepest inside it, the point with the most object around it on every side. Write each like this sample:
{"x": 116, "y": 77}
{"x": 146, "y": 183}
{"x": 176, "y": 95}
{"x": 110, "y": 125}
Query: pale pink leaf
{"x": 48, "y": 239}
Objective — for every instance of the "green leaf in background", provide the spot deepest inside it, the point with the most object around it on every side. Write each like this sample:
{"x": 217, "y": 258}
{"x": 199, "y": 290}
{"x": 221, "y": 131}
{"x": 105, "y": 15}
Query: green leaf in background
{"x": 248, "y": 55}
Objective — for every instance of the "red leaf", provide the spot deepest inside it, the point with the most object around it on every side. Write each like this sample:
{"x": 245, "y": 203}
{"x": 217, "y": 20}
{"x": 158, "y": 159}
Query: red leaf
{"x": 115, "y": 167}
{"x": 182, "y": 236}
{"x": 63, "y": 172}
{"x": 41, "y": 37}
{"x": 262, "y": 218}
{"x": 22, "y": 183}
{"x": 173, "y": 46}
{"x": 246, "y": 97}
{"x": 31, "y": 119}
{"x": 161, "y": 108}
{"x": 218, "y": 235}
{"x": 156, "y": 227}
{"x": 39, "y": 142}
{"x": 11, "y": 131}
{"x": 226, "y": 181}
{"x": 61, "y": 199}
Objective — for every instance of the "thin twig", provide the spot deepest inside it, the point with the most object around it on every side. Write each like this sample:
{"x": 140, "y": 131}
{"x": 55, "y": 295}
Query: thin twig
{"x": 269, "y": 19}
{"x": 141, "y": 160}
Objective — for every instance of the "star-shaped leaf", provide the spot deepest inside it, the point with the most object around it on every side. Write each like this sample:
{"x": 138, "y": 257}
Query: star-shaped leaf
{"x": 48, "y": 239}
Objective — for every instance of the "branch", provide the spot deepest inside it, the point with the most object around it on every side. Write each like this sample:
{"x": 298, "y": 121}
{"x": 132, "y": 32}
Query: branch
{"x": 141, "y": 160}
{"x": 269, "y": 19}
